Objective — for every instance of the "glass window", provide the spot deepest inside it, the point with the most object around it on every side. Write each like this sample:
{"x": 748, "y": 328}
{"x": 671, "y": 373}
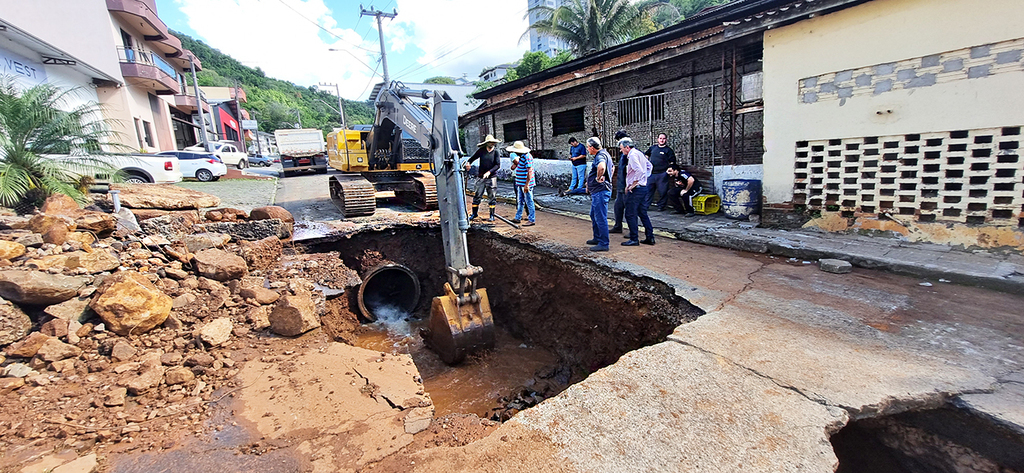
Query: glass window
{"x": 147, "y": 128}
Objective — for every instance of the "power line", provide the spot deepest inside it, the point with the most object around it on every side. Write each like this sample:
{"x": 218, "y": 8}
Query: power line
{"x": 325, "y": 30}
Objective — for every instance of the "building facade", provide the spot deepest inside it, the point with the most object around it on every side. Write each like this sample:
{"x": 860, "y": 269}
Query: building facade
{"x": 119, "y": 54}
{"x": 902, "y": 116}
{"x": 914, "y": 128}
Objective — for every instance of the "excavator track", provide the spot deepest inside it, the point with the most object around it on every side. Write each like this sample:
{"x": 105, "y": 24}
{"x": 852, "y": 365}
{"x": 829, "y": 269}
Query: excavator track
{"x": 353, "y": 195}
{"x": 425, "y": 197}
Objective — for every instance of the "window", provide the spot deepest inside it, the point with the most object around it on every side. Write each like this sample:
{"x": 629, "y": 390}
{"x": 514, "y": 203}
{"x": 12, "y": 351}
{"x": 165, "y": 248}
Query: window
{"x": 148, "y": 131}
{"x": 566, "y": 122}
{"x": 515, "y": 131}
{"x": 640, "y": 109}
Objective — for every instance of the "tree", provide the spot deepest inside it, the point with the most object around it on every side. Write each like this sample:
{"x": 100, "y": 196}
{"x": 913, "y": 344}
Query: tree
{"x": 532, "y": 62}
{"x": 688, "y": 8}
{"x": 589, "y": 26}
{"x": 45, "y": 149}
{"x": 440, "y": 80}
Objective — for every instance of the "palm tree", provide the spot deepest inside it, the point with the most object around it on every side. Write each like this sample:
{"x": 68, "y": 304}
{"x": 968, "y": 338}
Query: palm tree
{"x": 588, "y": 26}
{"x": 46, "y": 148}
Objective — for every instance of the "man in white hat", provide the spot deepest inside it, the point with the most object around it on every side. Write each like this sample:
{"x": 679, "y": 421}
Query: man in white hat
{"x": 525, "y": 182}
{"x": 487, "y": 177}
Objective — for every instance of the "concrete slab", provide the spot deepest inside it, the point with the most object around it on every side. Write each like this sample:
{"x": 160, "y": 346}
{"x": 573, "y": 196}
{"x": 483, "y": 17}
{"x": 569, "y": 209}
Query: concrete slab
{"x": 1004, "y": 406}
{"x": 828, "y": 356}
{"x": 747, "y": 422}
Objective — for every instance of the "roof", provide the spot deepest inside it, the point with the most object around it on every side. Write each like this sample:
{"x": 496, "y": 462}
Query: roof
{"x": 729, "y": 14}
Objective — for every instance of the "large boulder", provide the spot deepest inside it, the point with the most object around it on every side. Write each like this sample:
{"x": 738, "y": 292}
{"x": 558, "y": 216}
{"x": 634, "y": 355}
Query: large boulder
{"x": 294, "y": 315}
{"x": 129, "y": 303}
{"x": 220, "y": 265}
{"x": 262, "y": 254}
{"x": 38, "y": 288}
{"x": 96, "y": 222}
{"x": 10, "y": 250}
{"x": 14, "y": 324}
{"x": 62, "y": 205}
{"x": 172, "y": 225}
{"x": 202, "y": 241}
{"x": 56, "y": 350}
{"x": 93, "y": 262}
{"x": 28, "y": 347}
{"x": 76, "y": 309}
{"x": 166, "y": 197}
{"x": 41, "y": 223}
{"x": 272, "y": 211}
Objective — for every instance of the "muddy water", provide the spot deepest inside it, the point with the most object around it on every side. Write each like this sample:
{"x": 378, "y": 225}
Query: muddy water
{"x": 473, "y": 387}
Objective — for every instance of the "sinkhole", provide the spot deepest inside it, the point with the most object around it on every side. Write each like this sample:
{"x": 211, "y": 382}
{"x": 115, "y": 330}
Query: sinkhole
{"x": 942, "y": 440}
{"x": 559, "y": 315}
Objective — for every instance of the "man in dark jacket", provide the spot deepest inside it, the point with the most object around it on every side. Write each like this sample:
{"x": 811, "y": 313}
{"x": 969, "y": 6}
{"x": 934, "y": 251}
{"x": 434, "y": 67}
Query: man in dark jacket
{"x": 661, "y": 156}
{"x": 487, "y": 177}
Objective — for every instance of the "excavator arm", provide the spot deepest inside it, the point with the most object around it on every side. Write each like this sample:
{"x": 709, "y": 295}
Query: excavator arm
{"x": 460, "y": 319}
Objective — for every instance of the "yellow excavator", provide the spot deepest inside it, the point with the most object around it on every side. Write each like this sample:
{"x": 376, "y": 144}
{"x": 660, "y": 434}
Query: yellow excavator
{"x": 412, "y": 150}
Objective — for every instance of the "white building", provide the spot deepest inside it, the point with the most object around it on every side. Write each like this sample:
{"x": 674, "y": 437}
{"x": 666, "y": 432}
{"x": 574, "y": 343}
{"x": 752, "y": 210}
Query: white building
{"x": 118, "y": 53}
{"x": 541, "y": 42}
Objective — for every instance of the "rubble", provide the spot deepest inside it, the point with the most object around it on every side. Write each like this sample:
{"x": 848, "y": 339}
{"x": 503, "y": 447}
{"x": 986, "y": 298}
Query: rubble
{"x": 118, "y": 328}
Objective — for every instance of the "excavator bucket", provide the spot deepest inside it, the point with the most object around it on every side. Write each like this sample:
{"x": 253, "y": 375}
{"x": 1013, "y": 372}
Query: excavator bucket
{"x": 459, "y": 330}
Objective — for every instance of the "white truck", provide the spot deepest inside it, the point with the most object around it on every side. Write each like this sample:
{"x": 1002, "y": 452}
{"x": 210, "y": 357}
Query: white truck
{"x": 302, "y": 149}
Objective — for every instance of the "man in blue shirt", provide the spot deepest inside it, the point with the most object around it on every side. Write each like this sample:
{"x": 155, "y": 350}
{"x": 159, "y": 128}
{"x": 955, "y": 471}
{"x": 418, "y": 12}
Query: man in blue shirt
{"x": 600, "y": 188}
{"x": 578, "y": 156}
{"x": 525, "y": 182}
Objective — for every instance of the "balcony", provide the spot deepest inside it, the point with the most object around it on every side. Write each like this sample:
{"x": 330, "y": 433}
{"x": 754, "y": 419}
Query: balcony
{"x": 187, "y": 103}
{"x": 146, "y": 69}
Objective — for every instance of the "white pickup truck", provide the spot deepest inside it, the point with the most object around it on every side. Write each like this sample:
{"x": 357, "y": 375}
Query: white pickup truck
{"x": 301, "y": 149}
{"x": 227, "y": 152}
{"x": 145, "y": 168}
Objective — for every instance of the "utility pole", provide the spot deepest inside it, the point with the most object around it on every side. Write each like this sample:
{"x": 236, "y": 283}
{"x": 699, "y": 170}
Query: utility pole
{"x": 199, "y": 103}
{"x": 337, "y": 90}
{"x": 380, "y": 32}
{"x": 298, "y": 116}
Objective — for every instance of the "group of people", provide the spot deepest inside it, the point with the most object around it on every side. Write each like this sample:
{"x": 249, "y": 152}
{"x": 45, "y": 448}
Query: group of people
{"x": 487, "y": 179}
{"x": 637, "y": 177}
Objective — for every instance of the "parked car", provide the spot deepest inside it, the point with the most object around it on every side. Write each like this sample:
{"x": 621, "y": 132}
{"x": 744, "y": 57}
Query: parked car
{"x": 198, "y": 165}
{"x": 259, "y": 160}
{"x": 139, "y": 168}
{"x": 227, "y": 152}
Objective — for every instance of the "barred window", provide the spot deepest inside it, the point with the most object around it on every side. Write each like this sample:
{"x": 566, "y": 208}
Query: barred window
{"x": 640, "y": 109}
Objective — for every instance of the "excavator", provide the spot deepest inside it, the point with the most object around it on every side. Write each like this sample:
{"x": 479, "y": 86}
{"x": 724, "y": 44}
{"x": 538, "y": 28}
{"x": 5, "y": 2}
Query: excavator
{"x": 374, "y": 160}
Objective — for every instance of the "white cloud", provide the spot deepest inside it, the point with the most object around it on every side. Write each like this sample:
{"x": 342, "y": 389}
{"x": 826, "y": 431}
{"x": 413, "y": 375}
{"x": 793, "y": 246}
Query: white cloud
{"x": 428, "y": 38}
{"x": 269, "y": 35}
{"x": 459, "y": 36}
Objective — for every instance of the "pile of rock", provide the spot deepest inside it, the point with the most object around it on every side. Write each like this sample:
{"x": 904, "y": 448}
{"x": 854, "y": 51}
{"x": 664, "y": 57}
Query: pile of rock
{"x": 108, "y": 331}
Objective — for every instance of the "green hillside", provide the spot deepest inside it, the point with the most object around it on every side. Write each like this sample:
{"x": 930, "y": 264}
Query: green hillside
{"x": 274, "y": 101}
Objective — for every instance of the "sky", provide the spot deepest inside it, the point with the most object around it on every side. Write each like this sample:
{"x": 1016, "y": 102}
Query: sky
{"x": 292, "y": 39}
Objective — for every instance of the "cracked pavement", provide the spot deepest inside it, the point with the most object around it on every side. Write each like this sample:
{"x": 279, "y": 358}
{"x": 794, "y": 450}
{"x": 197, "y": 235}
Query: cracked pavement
{"x": 785, "y": 356}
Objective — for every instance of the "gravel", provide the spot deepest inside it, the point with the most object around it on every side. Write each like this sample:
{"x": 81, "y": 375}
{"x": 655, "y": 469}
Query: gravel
{"x": 242, "y": 194}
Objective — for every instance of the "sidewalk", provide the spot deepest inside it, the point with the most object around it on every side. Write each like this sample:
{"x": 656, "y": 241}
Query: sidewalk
{"x": 924, "y": 260}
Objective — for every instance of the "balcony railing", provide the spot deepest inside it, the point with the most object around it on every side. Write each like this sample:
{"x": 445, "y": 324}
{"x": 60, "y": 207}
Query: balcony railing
{"x": 142, "y": 56}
